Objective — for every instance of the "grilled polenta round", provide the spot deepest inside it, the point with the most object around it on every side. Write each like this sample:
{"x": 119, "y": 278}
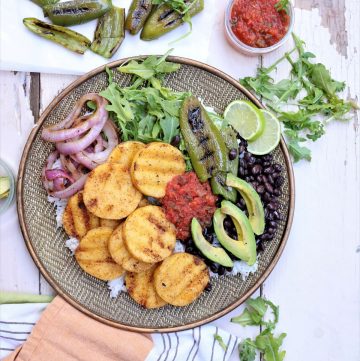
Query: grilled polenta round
{"x": 94, "y": 257}
{"x": 181, "y": 279}
{"x": 148, "y": 235}
{"x": 121, "y": 255}
{"x": 141, "y": 289}
{"x": 124, "y": 153}
{"x": 109, "y": 192}
{"x": 154, "y": 166}
{"x": 77, "y": 220}
{"x": 111, "y": 223}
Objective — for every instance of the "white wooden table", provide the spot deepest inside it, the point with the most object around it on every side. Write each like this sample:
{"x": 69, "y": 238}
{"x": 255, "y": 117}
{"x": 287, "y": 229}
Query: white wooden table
{"x": 317, "y": 280}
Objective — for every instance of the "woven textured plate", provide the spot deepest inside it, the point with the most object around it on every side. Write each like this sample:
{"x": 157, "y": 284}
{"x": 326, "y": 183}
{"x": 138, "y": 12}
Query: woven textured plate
{"x": 47, "y": 245}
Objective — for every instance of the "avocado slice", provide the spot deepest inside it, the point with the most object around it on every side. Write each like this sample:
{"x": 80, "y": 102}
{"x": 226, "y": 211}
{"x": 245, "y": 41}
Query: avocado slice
{"x": 215, "y": 254}
{"x": 4, "y": 187}
{"x": 252, "y": 201}
{"x": 245, "y": 246}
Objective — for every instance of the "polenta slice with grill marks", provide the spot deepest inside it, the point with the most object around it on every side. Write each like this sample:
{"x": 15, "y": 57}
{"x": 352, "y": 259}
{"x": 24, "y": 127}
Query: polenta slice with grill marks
{"x": 141, "y": 289}
{"x": 181, "y": 278}
{"x": 77, "y": 220}
{"x": 121, "y": 255}
{"x": 154, "y": 166}
{"x": 109, "y": 192}
{"x": 125, "y": 152}
{"x": 148, "y": 235}
{"x": 111, "y": 223}
{"x": 94, "y": 257}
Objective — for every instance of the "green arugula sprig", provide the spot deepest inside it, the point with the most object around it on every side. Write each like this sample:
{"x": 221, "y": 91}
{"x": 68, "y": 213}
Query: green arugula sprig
{"x": 146, "y": 110}
{"x": 282, "y": 5}
{"x": 265, "y": 342}
{"x": 310, "y": 90}
{"x": 221, "y": 342}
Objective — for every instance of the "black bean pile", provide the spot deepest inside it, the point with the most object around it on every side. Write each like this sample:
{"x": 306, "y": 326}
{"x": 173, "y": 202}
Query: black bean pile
{"x": 265, "y": 175}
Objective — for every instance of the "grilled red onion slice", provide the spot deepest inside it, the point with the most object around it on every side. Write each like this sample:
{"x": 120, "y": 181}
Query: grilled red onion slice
{"x": 48, "y": 185}
{"x": 53, "y": 174}
{"x": 71, "y": 190}
{"x": 70, "y": 167}
{"x": 73, "y": 126}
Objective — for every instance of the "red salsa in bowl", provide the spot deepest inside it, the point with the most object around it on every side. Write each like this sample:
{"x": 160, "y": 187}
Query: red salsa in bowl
{"x": 257, "y": 26}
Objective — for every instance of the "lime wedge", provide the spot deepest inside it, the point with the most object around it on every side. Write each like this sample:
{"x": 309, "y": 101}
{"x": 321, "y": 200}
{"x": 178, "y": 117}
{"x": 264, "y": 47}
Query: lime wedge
{"x": 270, "y": 137}
{"x": 245, "y": 118}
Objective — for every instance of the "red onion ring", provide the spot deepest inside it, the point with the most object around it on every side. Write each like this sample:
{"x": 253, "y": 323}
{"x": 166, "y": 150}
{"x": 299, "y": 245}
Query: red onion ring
{"x": 52, "y": 174}
{"x": 70, "y": 167}
{"x": 48, "y": 185}
{"x": 63, "y": 130}
{"x": 71, "y": 190}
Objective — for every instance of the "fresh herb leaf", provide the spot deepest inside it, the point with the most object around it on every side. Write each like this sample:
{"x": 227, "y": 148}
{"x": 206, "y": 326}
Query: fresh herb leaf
{"x": 219, "y": 339}
{"x": 282, "y": 5}
{"x": 270, "y": 345}
{"x": 247, "y": 350}
{"x": 311, "y": 93}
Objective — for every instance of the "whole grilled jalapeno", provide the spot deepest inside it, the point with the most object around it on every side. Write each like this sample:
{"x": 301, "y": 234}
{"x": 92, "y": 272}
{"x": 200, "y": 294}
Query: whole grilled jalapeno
{"x": 45, "y": 2}
{"x": 138, "y": 13}
{"x": 109, "y": 33}
{"x": 218, "y": 182}
{"x": 164, "y": 19}
{"x": 204, "y": 143}
{"x": 77, "y": 11}
{"x": 68, "y": 38}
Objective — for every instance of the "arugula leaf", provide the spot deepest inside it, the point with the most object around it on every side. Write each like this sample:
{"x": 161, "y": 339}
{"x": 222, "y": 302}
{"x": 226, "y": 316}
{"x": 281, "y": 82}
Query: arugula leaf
{"x": 282, "y": 5}
{"x": 247, "y": 350}
{"x": 310, "y": 89}
{"x": 270, "y": 345}
{"x": 219, "y": 339}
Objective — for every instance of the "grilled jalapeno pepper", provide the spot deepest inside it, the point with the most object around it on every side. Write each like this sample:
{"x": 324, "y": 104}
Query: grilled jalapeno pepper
{"x": 76, "y": 11}
{"x": 138, "y": 13}
{"x": 218, "y": 182}
{"x": 164, "y": 19}
{"x": 68, "y": 38}
{"x": 109, "y": 32}
{"x": 45, "y": 2}
{"x": 203, "y": 141}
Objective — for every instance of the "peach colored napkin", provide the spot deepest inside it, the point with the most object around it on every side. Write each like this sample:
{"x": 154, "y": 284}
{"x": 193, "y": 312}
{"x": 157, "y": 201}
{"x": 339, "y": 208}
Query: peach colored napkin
{"x": 64, "y": 333}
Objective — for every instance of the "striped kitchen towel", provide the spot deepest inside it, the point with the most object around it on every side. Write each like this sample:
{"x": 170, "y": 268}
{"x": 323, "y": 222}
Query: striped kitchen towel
{"x": 61, "y": 326}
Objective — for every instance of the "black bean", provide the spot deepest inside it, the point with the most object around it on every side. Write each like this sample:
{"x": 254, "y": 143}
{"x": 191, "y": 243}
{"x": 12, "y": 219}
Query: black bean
{"x": 260, "y": 189}
{"x": 271, "y": 230}
{"x": 269, "y": 187}
{"x": 264, "y": 237}
{"x": 279, "y": 181}
{"x": 247, "y": 156}
{"x": 241, "y": 171}
{"x": 266, "y": 197}
{"x": 258, "y": 161}
{"x": 256, "y": 169}
{"x": 251, "y": 161}
{"x": 268, "y": 157}
{"x": 247, "y": 179}
{"x": 266, "y": 164}
{"x": 273, "y": 206}
{"x": 278, "y": 167}
{"x": 259, "y": 248}
{"x": 277, "y": 192}
{"x": 246, "y": 172}
{"x": 214, "y": 267}
{"x": 175, "y": 141}
{"x": 242, "y": 148}
{"x": 254, "y": 184}
{"x": 277, "y": 216}
{"x": 208, "y": 288}
{"x": 269, "y": 170}
{"x": 270, "y": 179}
{"x": 273, "y": 224}
{"x": 232, "y": 154}
{"x": 259, "y": 178}
{"x": 242, "y": 202}
{"x": 229, "y": 269}
{"x": 242, "y": 163}
{"x": 221, "y": 270}
{"x": 275, "y": 175}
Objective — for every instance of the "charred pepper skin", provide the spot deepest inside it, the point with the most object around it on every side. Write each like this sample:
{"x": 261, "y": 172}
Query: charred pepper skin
{"x": 68, "y": 38}
{"x": 204, "y": 143}
{"x": 138, "y": 13}
{"x": 76, "y": 11}
{"x": 218, "y": 182}
{"x": 109, "y": 33}
{"x": 164, "y": 19}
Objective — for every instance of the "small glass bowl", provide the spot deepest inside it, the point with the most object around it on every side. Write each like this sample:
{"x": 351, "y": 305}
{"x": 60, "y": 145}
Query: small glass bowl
{"x": 5, "y": 171}
{"x": 249, "y": 50}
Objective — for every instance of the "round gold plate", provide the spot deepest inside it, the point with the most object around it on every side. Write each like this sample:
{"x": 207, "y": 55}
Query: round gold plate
{"x": 46, "y": 244}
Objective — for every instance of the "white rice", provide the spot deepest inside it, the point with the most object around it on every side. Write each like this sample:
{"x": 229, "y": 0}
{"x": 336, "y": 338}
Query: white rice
{"x": 116, "y": 286}
{"x": 72, "y": 243}
{"x": 59, "y": 205}
{"x": 179, "y": 247}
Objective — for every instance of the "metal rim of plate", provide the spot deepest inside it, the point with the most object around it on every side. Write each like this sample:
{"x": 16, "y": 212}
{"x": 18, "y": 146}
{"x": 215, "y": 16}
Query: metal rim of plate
{"x": 100, "y": 316}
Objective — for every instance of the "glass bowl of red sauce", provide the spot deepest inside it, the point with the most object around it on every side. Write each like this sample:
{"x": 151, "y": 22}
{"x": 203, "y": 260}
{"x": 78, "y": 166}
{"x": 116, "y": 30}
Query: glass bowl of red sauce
{"x": 256, "y": 27}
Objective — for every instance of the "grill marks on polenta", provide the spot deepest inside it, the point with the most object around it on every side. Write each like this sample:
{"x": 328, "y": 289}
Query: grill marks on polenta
{"x": 94, "y": 257}
{"x": 154, "y": 166}
{"x": 181, "y": 278}
{"x": 141, "y": 289}
{"x": 148, "y": 235}
{"x": 77, "y": 220}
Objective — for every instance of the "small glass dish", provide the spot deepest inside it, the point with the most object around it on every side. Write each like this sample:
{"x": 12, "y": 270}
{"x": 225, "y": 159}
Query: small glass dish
{"x": 5, "y": 171}
{"x": 249, "y": 50}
